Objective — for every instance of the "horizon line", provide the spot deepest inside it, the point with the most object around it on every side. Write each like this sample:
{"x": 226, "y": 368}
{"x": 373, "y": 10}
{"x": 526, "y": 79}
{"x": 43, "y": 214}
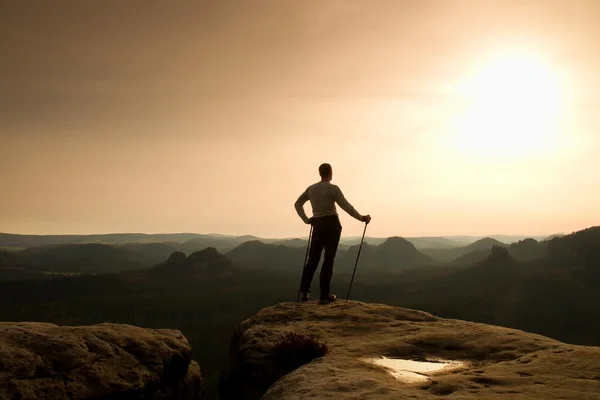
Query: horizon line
{"x": 281, "y": 237}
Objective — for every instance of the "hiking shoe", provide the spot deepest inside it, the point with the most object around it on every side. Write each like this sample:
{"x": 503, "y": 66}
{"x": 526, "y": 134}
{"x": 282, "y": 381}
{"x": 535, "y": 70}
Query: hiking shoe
{"x": 328, "y": 299}
{"x": 304, "y": 296}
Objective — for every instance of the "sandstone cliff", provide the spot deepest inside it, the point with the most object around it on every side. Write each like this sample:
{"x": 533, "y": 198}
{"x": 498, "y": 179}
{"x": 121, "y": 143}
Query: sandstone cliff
{"x": 496, "y": 362}
{"x": 106, "y": 361}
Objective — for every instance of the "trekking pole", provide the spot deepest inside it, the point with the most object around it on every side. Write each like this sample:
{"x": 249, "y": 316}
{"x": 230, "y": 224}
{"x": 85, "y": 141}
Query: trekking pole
{"x": 359, "y": 249}
{"x": 305, "y": 258}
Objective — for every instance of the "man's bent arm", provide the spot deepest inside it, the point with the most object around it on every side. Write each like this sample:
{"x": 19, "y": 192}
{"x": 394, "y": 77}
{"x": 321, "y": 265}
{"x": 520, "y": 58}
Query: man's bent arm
{"x": 344, "y": 204}
{"x": 299, "y": 206}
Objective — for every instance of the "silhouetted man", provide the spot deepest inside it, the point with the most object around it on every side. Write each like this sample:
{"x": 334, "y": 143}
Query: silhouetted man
{"x": 327, "y": 230}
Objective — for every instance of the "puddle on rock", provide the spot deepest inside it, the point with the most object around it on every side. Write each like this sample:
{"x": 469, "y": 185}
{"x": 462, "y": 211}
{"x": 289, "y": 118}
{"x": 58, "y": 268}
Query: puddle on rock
{"x": 410, "y": 371}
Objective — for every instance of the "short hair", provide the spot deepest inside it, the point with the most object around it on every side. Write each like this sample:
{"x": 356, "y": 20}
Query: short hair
{"x": 324, "y": 170}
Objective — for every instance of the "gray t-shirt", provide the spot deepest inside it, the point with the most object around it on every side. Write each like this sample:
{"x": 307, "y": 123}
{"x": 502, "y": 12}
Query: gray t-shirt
{"x": 322, "y": 196}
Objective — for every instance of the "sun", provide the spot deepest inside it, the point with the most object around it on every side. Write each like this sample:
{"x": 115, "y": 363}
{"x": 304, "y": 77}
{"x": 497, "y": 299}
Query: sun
{"x": 513, "y": 108}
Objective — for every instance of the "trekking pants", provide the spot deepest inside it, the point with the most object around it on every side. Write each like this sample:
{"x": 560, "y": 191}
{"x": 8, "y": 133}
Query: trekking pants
{"x": 326, "y": 235}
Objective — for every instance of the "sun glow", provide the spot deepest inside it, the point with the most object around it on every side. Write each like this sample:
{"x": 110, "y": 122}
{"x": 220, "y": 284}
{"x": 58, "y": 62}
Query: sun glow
{"x": 514, "y": 108}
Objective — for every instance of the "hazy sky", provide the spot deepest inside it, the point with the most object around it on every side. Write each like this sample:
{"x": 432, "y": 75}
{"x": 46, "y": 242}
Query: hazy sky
{"x": 439, "y": 117}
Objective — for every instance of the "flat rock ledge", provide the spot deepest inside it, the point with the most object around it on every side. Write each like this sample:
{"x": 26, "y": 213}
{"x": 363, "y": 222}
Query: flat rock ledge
{"x": 501, "y": 363}
{"x": 103, "y": 362}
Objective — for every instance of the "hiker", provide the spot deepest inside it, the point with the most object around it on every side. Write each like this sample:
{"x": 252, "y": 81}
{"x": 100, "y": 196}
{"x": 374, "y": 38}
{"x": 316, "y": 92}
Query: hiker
{"x": 327, "y": 230}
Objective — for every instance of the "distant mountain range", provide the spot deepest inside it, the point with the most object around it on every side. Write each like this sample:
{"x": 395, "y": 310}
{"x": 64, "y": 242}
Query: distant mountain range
{"x": 556, "y": 292}
{"x": 193, "y": 241}
{"x": 392, "y": 255}
{"x": 189, "y": 241}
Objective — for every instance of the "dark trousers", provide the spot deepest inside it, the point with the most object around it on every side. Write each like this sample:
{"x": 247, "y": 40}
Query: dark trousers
{"x": 326, "y": 235}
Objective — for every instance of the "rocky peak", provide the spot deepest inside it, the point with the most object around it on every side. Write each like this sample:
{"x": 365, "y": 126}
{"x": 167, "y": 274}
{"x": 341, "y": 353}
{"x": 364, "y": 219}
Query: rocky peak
{"x": 177, "y": 257}
{"x": 496, "y": 362}
{"x": 396, "y": 243}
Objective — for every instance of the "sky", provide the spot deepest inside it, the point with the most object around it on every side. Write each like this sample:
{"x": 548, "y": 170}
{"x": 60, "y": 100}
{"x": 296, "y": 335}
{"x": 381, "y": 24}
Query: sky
{"x": 438, "y": 117}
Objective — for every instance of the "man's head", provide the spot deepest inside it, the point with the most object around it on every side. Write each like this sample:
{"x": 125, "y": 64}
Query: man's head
{"x": 326, "y": 172}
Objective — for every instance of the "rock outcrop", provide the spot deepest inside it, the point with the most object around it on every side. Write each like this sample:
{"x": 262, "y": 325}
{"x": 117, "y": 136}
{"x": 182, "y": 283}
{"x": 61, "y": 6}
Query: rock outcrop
{"x": 177, "y": 257}
{"x": 498, "y": 362}
{"x": 106, "y": 361}
{"x": 200, "y": 265}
